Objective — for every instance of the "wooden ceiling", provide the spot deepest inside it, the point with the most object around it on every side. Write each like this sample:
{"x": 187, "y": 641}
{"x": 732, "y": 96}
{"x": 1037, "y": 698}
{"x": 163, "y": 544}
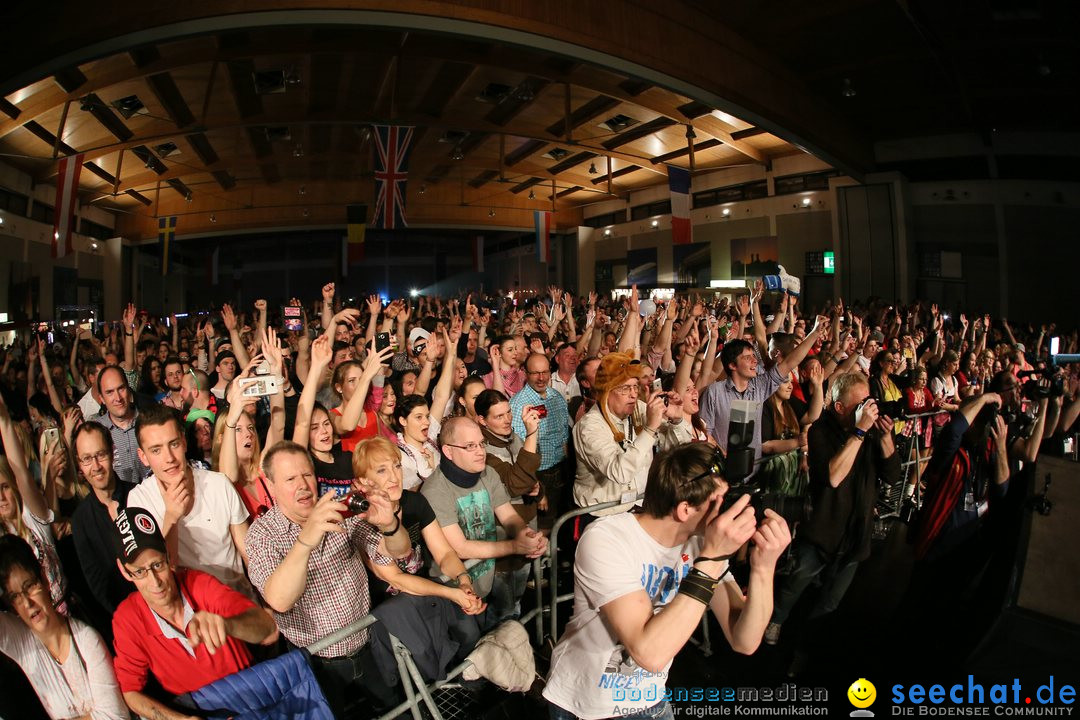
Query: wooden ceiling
{"x": 271, "y": 127}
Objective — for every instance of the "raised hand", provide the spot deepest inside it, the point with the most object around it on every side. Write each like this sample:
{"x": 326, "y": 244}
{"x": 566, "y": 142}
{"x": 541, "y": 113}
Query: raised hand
{"x": 130, "y": 313}
{"x": 728, "y": 531}
{"x": 260, "y": 305}
{"x": 328, "y": 292}
{"x": 770, "y": 539}
{"x": 228, "y": 317}
{"x": 321, "y": 351}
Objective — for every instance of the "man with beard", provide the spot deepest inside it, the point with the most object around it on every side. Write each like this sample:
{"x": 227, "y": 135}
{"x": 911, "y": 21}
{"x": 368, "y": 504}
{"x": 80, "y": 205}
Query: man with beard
{"x": 173, "y": 375}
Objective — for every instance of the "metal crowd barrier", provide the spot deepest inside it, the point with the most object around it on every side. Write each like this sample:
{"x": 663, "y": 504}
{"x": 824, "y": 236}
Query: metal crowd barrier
{"x": 416, "y": 689}
{"x": 891, "y": 505}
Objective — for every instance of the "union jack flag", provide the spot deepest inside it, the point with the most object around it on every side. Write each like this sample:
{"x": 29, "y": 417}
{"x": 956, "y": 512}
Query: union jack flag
{"x": 392, "y": 146}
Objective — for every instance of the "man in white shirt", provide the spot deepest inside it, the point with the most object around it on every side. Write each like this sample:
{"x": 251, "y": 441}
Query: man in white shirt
{"x": 565, "y": 378}
{"x": 614, "y": 441}
{"x": 200, "y": 513}
{"x": 642, "y": 582}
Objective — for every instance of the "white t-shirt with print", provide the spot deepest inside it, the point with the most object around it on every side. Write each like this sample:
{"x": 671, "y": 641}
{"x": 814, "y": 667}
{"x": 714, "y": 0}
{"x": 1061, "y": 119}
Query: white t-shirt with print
{"x": 205, "y": 541}
{"x": 592, "y": 675}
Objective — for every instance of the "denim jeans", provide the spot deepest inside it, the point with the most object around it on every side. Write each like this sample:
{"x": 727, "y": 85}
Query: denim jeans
{"x": 660, "y": 711}
{"x": 809, "y": 563}
{"x": 344, "y": 679}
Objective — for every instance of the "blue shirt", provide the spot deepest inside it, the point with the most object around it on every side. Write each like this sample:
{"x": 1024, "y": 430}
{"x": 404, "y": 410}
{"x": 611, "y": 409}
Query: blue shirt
{"x": 554, "y": 429}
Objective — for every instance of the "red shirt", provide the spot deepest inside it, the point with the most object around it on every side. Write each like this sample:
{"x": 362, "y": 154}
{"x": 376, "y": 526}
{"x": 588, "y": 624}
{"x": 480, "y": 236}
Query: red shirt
{"x": 350, "y": 440}
{"x": 141, "y": 646}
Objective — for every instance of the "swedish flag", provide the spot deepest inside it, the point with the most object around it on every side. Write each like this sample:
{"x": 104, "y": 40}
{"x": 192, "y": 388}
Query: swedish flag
{"x": 166, "y": 230}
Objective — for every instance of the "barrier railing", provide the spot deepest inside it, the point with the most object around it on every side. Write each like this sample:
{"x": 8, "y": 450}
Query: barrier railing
{"x": 891, "y": 505}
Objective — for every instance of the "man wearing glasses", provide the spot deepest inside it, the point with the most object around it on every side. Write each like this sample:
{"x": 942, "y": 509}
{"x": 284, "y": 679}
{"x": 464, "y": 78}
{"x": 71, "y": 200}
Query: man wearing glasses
{"x": 615, "y": 440}
{"x": 554, "y": 428}
{"x": 92, "y": 522}
{"x": 469, "y": 500}
{"x": 182, "y": 625}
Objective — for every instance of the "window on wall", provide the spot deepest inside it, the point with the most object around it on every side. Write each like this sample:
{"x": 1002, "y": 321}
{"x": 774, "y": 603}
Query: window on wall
{"x": 94, "y": 230}
{"x": 43, "y": 213}
{"x": 733, "y": 193}
{"x": 640, "y": 212}
{"x": 802, "y": 183}
{"x": 13, "y": 202}
{"x": 612, "y": 218}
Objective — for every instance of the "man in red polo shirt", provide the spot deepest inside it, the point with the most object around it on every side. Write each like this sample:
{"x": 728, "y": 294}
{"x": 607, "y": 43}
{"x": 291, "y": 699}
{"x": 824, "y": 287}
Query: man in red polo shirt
{"x": 183, "y": 625}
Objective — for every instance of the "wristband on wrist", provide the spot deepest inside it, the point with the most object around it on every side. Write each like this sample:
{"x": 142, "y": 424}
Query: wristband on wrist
{"x": 304, "y": 543}
{"x": 391, "y": 533}
{"x": 858, "y": 433}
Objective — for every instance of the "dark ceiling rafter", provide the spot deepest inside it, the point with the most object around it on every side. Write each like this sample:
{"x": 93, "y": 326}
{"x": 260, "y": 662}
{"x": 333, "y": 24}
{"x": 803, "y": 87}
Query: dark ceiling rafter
{"x": 70, "y": 79}
{"x": 572, "y": 161}
{"x": 616, "y": 174}
{"x": 168, "y": 95}
{"x": 445, "y": 85}
{"x": 589, "y": 111}
{"x": 637, "y": 132}
{"x": 109, "y": 120}
{"x": 698, "y": 147}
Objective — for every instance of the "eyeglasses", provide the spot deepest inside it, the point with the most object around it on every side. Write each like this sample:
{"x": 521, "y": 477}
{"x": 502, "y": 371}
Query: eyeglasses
{"x": 626, "y": 389}
{"x": 196, "y": 379}
{"x": 99, "y": 457}
{"x": 33, "y": 585}
{"x": 156, "y": 567}
{"x": 470, "y": 447}
{"x": 716, "y": 467}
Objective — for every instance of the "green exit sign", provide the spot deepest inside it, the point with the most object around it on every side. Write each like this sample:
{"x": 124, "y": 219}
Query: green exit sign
{"x": 830, "y": 263}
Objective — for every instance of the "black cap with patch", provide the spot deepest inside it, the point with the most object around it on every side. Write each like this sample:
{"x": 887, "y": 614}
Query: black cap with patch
{"x": 136, "y": 530}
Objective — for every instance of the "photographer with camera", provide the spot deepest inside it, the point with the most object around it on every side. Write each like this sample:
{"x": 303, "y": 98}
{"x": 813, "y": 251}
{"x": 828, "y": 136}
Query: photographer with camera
{"x": 643, "y": 580}
{"x": 850, "y": 447}
{"x": 554, "y": 431}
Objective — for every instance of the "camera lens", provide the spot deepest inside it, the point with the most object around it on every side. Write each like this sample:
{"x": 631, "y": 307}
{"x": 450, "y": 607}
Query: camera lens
{"x": 357, "y": 503}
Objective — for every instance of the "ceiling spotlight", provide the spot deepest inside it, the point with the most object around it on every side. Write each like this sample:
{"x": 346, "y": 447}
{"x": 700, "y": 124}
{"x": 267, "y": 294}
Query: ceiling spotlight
{"x": 806, "y": 202}
{"x": 306, "y": 212}
{"x": 690, "y": 134}
{"x": 303, "y": 190}
{"x": 213, "y": 217}
{"x": 1, "y": 219}
{"x": 187, "y": 196}
{"x": 491, "y": 212}
{"x": 607, "y": 232}
{"x": 422, "y": 190}
{"x": 525, "y": 92}
{"x": 726, "y": 212}
{"x": 298, "y": 151}
{"x": 94, "y": 245}
{"x": 655, "y": 223}
{"x": 456, "y": 154}
{"x": 592, "y": 168}
{"x": 532, "y": 195}
{"x": 847, "y": 91}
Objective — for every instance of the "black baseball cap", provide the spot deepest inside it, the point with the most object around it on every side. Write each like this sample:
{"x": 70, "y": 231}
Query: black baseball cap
{"x": 136, "y": 530}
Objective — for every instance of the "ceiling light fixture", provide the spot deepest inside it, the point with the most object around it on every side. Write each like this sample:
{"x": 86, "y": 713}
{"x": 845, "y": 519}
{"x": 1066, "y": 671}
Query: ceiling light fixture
{"x": 187, "y": 196}
{"x": 655, "y": 223}
{"x": 306, "y": 213}
{"x": 213, "y": 218}
{"x": 592, "y": 168}
{"x": 726, "y": 212}
{"x": 607, "y": 232}
{"x": 93, "y": 245}
{"x": 847, "y": 91}
{"x": 303, "y": 190}
{"x": 491, "y": 212}
{"x": 806, "y": 202}
{"x": 690, "y": 134}
{"x": 422, "y": 190}
{"x": 456, "y": 154}
{"x": 532, "y": 195}
{"x": 298, "y": 151}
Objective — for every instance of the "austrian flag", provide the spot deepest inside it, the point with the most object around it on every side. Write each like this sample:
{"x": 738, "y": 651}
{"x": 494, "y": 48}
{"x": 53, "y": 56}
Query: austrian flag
{"x": 682, "y": 233}
{"x": 392, "y": 146}
{"x": 67, "y": 195}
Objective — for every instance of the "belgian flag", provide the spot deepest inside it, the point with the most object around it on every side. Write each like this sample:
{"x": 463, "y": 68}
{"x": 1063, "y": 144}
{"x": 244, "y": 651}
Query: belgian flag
{"x": 356, "y": 222}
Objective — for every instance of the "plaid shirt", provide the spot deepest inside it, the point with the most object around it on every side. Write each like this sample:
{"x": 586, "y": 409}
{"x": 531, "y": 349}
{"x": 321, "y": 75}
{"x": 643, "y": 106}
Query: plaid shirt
{"x": 336, "y": 593}
{"x": 126, "y": 463}
{"x": 554, "y": 429}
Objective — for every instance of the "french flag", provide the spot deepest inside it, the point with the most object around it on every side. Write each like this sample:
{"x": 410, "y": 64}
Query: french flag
{"x": 67, "y": 195}
{"x": 542, "y": 224}
{"x": 679, "y": 183}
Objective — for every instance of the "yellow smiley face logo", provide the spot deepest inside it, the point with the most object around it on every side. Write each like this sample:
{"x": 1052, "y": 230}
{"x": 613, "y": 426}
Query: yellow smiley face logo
{"x": 862, "y": 693}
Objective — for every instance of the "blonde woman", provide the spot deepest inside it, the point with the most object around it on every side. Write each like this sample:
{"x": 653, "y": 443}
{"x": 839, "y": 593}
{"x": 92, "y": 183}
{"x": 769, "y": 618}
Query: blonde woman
{"x": 24, "y": 512}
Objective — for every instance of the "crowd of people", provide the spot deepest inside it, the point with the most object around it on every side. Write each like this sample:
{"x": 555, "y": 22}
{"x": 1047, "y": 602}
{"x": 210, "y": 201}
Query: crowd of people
{"x": 183, "y": 497}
